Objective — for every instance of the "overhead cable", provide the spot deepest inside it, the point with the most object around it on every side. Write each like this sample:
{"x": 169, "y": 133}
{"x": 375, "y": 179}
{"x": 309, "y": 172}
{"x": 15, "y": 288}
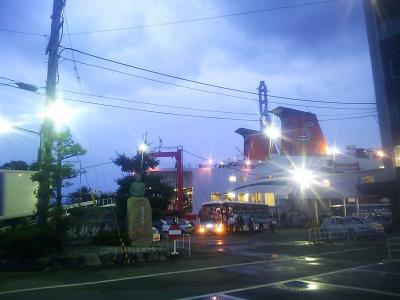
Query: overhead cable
{"x": 201, "y": 19}
{"x": 213, "y": 92}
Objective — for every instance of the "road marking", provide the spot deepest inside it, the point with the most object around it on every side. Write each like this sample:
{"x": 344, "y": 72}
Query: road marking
{"x": 356, "y": 288}
{"x": 230, "y": 297}
{"x": 172, "y": 272}
{"x": 378, "y": 272}
{"x": 254, "y": 287}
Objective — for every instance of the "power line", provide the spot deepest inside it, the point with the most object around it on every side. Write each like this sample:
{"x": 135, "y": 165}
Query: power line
{"x": 158, "y": 73}
{"x": 97, "y": 165}
{"x": 23, "y": 32}
{"x": 158, "y": 112}
{"x": 206, "y": 18}
{"x": 349, "y": 118}
{"x": 159, "y": 105}
{"x": 177, "y": 114}
{"x": 205, "y": 83}
{"x": 208, "y": 91}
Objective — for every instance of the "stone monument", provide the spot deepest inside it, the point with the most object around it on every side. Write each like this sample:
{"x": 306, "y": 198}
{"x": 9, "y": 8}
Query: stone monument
{"x": 140, "y": 229}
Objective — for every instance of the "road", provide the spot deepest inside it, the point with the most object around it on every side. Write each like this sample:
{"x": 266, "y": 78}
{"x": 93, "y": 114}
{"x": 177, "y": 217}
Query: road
{"x": 239, "y": 267}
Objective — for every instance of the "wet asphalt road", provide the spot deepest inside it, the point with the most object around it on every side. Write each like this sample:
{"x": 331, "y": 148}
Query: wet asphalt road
{"x": 240, "y": 267}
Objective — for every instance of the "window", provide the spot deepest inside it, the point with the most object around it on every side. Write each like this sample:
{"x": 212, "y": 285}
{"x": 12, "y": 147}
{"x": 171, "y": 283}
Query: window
{"x": 397, "y": 156}
{"x": 326, "y": 183}
{"x": 270, "y": 199}
{"x": 367, "y": 179}
{"x": 232, "y": 178}
{"x": 216, "y": 197}
{"x": 243, "y": 197}
{"x": 256, "y": 197}
{"x": 243, "y": 178}
{"x": 229, "y": 196}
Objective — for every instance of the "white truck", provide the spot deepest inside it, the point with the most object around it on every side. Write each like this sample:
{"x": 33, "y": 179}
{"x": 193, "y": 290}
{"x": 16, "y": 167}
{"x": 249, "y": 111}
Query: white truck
{"x": 17, "y": 194}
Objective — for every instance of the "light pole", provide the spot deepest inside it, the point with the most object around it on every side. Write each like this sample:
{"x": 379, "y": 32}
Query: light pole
{"x": 6, "y": 127}
{"x": 305, "y": 178}
{"x": 39, "y": 155}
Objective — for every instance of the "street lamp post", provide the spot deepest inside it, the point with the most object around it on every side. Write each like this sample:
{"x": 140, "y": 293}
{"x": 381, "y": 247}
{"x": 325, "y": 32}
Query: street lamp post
{"x": 6, "y": 127}
{"x": 305, "y": 178}
{"x": 39, "y": 155}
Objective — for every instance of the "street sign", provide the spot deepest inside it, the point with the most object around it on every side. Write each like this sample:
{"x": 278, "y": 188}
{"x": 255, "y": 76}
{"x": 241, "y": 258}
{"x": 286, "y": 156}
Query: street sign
{"x": 174, "y": 232}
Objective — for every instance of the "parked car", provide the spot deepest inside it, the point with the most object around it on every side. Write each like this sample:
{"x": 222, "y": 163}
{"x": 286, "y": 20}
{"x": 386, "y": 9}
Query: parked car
{"x": 186, "y": 226}
{"x": 385, "y": 221}
{"x": 156, "y": 235}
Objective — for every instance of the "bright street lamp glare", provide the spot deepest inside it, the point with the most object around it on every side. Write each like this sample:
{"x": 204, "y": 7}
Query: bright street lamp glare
{"x": 5, "y": 126}
{"x": 143, "y": 147}
{"x": 333, "y": 150}
{"x": 59, "y": 113}
{"x": 272, "y": 132}
{"x": 303, "y": 177}
{"x": 380, "y": 153}
{"x": 210, "y": 161}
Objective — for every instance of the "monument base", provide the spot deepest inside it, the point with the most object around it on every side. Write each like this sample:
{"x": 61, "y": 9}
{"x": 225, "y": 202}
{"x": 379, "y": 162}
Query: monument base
{"x": 140, "y": 228}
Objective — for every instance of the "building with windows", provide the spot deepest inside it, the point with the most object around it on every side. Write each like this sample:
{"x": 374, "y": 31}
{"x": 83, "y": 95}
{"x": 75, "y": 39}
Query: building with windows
{"x": 383, "y": 28}
{"x": 268, "y": 174}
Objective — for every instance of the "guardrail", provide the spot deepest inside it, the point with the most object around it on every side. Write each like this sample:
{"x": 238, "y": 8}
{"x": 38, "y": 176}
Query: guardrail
{"x": 186, "y": 236}
{"x": 316, "y": 234}
{"x": 393, "y": 246}
{"x": 332, "y": 233}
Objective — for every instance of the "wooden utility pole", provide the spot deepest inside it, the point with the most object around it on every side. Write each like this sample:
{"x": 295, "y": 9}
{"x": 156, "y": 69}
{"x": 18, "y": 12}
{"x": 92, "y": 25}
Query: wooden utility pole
{"x": 44, "y": 192}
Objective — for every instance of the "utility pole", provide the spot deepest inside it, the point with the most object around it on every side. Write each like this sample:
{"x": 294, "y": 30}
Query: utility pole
{"x": 44, "y": 192}
{"x": 263, "y": 102}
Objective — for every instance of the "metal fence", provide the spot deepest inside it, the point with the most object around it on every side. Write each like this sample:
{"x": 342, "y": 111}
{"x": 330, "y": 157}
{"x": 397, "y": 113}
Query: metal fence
{"x": 334, "y": 233}
{"x": 393, "y": 246}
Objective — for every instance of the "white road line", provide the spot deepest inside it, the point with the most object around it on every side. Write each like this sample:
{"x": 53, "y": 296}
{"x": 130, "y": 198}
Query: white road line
{"x": 378, "y": 272}
{"x": 356, "y": 288}
{"x": 230, "y": 297}
{"x": 254, "y": 287}
{"x": 172, "y": 272}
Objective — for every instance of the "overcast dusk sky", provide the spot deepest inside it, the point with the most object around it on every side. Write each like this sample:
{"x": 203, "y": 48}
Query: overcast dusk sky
{"x": 315, "y": 52}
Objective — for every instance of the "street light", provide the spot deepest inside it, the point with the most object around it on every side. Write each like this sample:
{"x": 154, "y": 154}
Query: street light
{"x": 143, "y": 147}
{"x": 272, "y": 132}
{"x": 305, "y": 178}
{"x": 6, "y": 126}
{"x": 59, "y": 113}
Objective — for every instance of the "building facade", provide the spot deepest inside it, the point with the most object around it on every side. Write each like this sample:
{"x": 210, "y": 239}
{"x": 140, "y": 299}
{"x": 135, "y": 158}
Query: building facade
{"x": 383, "y": 29}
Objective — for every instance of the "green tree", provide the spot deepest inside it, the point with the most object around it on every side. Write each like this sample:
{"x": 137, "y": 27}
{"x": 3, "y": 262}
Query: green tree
{"x": 80, "y": 195}
{"x": 158, "y": 193}
{"x": 63, "y": 148}
{"x": 20, "y": 165}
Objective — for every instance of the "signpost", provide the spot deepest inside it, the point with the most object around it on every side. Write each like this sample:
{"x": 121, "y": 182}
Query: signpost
{"x": 174, "y": 232}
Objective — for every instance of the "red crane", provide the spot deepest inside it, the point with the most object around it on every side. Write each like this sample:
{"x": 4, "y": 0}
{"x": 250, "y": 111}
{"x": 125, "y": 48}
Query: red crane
{"x": 178, "y": 155}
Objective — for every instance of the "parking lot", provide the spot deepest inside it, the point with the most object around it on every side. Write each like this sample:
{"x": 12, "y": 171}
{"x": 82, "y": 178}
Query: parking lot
{"x": 284, "y": 266}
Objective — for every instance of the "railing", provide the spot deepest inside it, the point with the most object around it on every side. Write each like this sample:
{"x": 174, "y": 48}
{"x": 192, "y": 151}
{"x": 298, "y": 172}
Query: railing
{"x": 186, "y": 236}
{"x": 393, "y": 245}
{"x": 332, "y": 233}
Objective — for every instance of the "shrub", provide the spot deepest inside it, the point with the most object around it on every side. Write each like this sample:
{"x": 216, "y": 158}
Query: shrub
{"x": 26, "y": 242}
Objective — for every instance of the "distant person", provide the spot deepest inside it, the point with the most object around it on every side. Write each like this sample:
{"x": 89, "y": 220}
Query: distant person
{"x": 272, "y": 224}
{"x": 251, "y": 225}
{"x": 231, "y": 224}
{"x": 239, "y": 221}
